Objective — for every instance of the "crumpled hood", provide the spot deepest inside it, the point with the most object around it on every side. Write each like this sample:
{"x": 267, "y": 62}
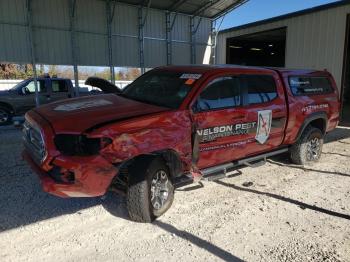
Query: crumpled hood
{"x": 79, "y": 114}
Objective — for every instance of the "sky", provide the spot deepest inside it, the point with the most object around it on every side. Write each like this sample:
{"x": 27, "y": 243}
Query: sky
{"x": 256, "y": 10}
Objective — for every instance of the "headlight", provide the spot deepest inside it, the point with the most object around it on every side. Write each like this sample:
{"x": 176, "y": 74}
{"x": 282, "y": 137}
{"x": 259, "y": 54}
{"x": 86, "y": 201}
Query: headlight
{"x": 80, "y": 145}
{"x": 34, "y": 142}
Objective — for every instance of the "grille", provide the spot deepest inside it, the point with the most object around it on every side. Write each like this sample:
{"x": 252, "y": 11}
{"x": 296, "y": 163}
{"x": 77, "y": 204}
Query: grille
{"x": 34, "y": 143}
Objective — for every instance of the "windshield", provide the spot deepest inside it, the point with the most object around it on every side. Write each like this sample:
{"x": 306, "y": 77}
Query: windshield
{"x": 163, "y": 88}
{"x": 20, "y": 84}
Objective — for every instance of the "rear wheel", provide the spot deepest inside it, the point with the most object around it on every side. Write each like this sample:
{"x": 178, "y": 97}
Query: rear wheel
{"x": 308, "y": 148}
{"x": 5, "y": 116}
{"x": 151, "y": 191}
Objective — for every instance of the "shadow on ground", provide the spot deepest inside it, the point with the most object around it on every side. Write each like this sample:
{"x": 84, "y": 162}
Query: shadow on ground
{"x": 285, "y": 199}
{"x": 201, "y": 243}
{"x": 23, "y": 202}
{"x": 116, "y": 206}
{"x": 341, "y": 132}
{"x": 283, "y": 160}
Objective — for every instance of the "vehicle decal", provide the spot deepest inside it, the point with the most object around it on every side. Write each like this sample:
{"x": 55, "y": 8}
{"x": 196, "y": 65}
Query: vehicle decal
{"x": 225, "y": 146}
{"x": 314, "y": 107}
{"x": 81, "y": 105}
{"x": 264, "y": 126}
{"x": 190, "y": 76}
{"x": 212, "y": 133}
{"x": 299, "y": 83}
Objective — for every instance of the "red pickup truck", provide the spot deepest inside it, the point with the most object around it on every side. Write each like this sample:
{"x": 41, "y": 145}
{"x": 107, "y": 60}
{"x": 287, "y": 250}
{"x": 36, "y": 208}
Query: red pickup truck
{"x": 176, "y": 125}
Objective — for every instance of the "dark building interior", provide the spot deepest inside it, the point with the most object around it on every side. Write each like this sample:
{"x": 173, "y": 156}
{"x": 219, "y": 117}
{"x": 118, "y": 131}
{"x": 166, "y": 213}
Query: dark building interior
{"x": 266, "y": 48}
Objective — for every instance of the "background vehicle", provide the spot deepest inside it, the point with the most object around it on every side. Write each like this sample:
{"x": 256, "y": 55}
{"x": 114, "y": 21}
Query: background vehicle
{"x": 21, "y": 97}
{"x": 176, "y": 125}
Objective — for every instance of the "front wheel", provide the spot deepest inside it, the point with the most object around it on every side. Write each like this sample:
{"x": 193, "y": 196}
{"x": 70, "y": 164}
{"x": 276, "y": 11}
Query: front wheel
{"x": 308, "y": 148}
{"x": 5, "y": 116}
{"x": 151, "y": 191}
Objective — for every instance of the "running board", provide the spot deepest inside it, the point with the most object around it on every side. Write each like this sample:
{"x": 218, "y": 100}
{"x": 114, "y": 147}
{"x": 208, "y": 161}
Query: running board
{"x": 184, "y": 180}
{"x": 222, "y": 171}
{"x": 255, "y": 161}
{"x": 255, "y": 164}
{"x": 261, "y": 157}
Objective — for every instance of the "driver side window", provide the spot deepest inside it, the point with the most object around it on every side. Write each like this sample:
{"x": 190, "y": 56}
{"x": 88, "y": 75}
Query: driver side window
{"x": 30, "y": 87}
{"x": 223, "y": 92}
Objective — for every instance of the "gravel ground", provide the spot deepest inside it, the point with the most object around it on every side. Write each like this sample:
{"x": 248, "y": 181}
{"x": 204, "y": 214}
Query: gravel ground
{"x": 277, "y": 212}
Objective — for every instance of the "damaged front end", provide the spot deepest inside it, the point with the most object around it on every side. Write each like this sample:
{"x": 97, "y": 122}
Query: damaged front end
{"x": 80, "y": 145}
{"x": 84, "y": 161}
{"x": 73, "y": 167}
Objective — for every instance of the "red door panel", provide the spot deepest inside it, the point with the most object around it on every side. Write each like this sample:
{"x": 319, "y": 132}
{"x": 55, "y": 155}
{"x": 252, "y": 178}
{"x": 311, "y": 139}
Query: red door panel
{"x": 254, "y": 125}
{"x": 223, "y": 135}
{"x": 266, "y": 104}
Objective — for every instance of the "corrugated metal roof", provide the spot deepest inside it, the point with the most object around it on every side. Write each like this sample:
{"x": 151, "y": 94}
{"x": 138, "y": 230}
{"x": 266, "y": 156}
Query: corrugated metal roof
{"x": 204, "y": 8}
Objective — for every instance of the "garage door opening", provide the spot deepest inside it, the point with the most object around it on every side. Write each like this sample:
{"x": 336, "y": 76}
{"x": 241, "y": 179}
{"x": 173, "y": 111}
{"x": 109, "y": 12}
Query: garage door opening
{"x": 266, "y": 48}
{"x": 346, "y": 77}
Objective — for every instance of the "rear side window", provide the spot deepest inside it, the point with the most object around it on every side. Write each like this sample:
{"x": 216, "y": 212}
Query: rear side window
{"x": 261, "y": 88}
{"x": 300, "y": 85}
{"x": 223, "y": 92}
{"x": 59, "y": 86}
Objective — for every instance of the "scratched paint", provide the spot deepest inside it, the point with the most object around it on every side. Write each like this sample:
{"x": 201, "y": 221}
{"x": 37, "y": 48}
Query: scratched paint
{"x": 137, "y": 128}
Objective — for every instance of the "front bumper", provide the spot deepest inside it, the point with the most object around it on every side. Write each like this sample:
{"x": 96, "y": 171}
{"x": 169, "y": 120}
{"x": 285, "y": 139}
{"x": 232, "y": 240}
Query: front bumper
{"x": 92, "y": 175}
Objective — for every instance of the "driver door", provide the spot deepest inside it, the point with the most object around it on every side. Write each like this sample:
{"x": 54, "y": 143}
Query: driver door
{"x": 27, "y": 99}
{"x": 221, "y": 123}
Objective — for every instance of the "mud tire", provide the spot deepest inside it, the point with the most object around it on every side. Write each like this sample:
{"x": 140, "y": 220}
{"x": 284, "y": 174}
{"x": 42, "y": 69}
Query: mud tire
{"x": 5, "y": 116}
{"x": 300, "y": 151}
{"x": 138, "y": 198}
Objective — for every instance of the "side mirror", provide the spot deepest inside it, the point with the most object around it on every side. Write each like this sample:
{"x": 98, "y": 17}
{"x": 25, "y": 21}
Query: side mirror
{"x": 25, "y": 90}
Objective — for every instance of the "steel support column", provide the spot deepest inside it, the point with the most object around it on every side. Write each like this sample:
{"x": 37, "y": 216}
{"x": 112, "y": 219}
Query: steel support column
{"x": 170, "y": 21}
{"x": 214, "y": 32}
{"x": 141, "y": 41}
{"x": 32, "y": 49}
{"x": 72, "y": 5}
{"x": 141, "y": 22}
{"x": 213, "y": 43}
{"x": 193, "y": 41}
{"x": 168, "y": 39}
{"x": 109, "y": 17}
{"x": 193, "y": 32}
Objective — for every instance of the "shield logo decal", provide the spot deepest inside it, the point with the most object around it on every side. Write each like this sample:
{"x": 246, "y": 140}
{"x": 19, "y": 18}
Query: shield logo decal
{"x": 264, "y": 126}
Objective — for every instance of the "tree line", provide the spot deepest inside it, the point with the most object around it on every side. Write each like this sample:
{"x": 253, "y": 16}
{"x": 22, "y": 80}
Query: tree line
{"x": 23, "y": 71}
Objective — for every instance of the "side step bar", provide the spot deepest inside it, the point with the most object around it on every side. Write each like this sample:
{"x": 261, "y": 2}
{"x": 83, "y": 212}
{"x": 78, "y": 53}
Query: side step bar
{"x": 220, "y": 171}
{"x": 184, "y": 180}
{"x": 263, "y": 156}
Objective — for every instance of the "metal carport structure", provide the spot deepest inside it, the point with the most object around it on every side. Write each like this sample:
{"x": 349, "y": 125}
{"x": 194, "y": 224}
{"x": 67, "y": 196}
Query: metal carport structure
{"x": 131, "y": 33}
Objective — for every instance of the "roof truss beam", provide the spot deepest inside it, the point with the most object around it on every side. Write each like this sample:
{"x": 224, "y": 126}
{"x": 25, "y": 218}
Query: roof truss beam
{"x": 176, "y": 5}
{"x": 204, "y": 7}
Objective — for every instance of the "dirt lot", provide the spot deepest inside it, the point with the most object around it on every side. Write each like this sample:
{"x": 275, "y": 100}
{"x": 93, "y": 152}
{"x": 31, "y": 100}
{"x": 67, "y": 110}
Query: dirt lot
{"x": 288, "y": 214}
